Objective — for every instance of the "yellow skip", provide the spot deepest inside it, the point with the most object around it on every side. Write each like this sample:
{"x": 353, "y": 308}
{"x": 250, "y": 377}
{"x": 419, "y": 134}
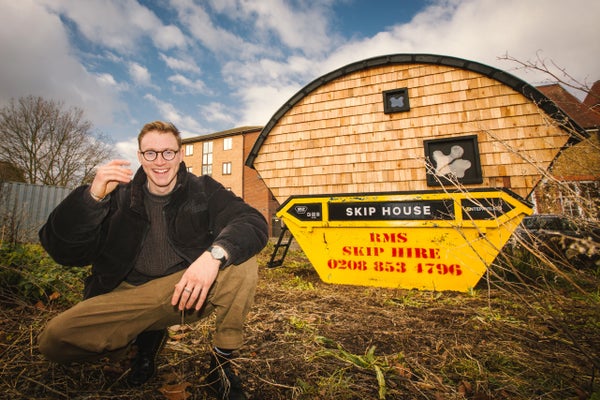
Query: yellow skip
{"x": 431, "y": 240}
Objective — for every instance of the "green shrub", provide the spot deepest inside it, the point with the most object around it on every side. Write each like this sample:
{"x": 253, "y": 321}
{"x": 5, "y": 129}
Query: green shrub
{"x": 28, "y": 274}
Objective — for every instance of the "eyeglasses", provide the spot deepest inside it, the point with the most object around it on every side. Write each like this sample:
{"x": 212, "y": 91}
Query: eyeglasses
{"x": 167, "y": 155}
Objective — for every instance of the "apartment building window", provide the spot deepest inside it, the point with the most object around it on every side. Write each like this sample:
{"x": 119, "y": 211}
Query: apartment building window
{"x": 227, "y": 168}
{"x": 207, "y": 158}
{"x": 189, "y": 149}
{"x": 227, "y": 143}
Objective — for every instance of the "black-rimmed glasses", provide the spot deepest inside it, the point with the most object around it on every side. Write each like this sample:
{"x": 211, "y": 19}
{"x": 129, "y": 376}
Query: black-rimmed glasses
{"x": 167, "y": 155}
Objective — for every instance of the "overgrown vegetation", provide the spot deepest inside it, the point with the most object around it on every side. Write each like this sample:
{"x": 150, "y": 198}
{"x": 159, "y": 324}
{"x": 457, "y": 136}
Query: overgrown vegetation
{"x": 518, "y": 335}
{"x": 27, "y": 274}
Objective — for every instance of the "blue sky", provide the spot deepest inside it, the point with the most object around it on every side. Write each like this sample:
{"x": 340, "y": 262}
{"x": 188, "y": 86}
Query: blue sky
{"x": 211, "y": 65}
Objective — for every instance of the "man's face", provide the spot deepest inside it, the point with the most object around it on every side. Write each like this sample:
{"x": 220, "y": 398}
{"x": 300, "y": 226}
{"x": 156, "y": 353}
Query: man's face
{"x": 162, "y": 174}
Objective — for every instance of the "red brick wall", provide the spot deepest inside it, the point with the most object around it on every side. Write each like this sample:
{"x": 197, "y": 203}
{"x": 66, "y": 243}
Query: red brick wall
{"x": 256, "y": 192}
{"x": 243, "y": 181}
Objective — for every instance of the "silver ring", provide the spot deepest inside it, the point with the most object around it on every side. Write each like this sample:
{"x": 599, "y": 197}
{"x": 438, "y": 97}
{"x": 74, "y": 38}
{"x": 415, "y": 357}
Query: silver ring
{"x": 188, "y": 290}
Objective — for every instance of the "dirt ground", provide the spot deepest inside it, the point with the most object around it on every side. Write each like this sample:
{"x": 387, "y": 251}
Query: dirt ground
{"x": 311, "y": 340}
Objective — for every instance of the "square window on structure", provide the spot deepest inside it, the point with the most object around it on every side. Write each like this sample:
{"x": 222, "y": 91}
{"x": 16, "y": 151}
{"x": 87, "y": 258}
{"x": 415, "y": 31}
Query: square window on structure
{"x": 226, "y": 168}
{"x": 452, "y": 160}
{"x": 395, "y": 100}
{"x": 189, "y": 149}
{"x": 227, "y": 143}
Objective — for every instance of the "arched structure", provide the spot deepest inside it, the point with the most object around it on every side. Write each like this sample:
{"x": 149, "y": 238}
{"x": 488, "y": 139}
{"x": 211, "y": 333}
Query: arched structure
{"x": 390, "y": 123}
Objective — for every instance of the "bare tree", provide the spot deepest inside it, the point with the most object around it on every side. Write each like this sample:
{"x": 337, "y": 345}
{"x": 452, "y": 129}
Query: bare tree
{"x": 53, "y": 146}
{"x": 553, "y": 72}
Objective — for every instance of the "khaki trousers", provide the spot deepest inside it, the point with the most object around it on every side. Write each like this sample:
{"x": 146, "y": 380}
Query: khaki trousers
{"x": 106, "y": 325}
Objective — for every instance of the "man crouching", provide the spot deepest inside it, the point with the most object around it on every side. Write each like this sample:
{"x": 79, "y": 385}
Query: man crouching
{"x": 161, "y": 244}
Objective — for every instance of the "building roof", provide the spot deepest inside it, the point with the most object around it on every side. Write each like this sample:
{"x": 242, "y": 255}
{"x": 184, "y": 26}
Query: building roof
{"x": 586, "y": 114}
{"x": 511, "y": 81}
{"x": 229, "y": 132}
{"x": 592, "y": 100}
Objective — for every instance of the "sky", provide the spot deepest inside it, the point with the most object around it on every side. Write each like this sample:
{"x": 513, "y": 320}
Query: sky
{"x": 213, "y": 65}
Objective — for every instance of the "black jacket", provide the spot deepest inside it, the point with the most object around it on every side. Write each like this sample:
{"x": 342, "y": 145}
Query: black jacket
{"x": 109, "y": 234}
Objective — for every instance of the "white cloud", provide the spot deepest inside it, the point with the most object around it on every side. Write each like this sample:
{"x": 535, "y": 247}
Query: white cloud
{"x": 261, "y": 102}
{"x": 107, "y": 80}
{"x": 37, "y": 60}
{"x": 168, "y": 37}
{"x": 218, "y": 112}
{"x": 305, "y": 27}
{"x": 216, "y": 39}
{"x": 128, "y": 151}
{"x": 178, "y": 64}
{"x": 486, "y": 30}
{"x": 196, "y": 86}
{"x": 188, "y": 125}
{"x": 140, "y": 74}
{"x": 117, "y": 24}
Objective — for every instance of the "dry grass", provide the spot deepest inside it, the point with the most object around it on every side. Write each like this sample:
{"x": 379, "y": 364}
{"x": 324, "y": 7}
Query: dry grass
{"x": 310, "y": 340}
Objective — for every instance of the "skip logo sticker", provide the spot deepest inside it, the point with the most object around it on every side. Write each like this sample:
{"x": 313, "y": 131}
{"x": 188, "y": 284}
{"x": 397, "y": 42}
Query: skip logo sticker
{"x": 307, "y": 212}
{"x": 300, "y": 210}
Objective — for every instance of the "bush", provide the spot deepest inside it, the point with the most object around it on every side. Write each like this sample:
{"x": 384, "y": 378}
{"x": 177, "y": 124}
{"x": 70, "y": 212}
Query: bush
{"x": 28, "y": 274}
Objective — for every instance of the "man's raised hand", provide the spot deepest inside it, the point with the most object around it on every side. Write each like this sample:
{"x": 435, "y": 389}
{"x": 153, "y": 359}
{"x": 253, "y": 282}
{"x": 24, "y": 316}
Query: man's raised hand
{"x": 109, "y": 176}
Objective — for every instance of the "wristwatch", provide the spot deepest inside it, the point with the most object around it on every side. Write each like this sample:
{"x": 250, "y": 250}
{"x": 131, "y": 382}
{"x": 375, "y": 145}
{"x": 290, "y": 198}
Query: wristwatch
{"x": 218, "y": 253}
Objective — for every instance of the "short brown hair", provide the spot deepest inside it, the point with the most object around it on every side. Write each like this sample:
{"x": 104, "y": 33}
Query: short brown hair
{"x": 160, "y": 126}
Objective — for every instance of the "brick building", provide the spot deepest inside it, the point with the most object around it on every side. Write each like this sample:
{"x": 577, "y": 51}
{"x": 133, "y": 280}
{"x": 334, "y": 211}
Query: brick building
{"x": 572, "y": 186}
{"x": 222, "y": 155}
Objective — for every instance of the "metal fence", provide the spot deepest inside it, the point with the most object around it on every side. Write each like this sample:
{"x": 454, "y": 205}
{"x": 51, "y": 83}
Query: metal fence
{"x": 24, "y": 208}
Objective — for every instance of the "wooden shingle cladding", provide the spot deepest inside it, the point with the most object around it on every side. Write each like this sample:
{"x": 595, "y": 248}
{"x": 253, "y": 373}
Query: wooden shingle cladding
{"x": 334, "y": 137}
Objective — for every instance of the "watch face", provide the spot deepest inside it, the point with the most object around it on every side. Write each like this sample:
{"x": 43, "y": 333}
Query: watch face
{"x": 217, "y": 253}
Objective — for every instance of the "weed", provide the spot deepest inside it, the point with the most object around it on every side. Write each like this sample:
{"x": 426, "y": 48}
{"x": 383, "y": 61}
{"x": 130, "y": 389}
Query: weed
{"x": 301, "y": 324}
{"x": 368, "y": 361}
{"x": 298, "y": 283}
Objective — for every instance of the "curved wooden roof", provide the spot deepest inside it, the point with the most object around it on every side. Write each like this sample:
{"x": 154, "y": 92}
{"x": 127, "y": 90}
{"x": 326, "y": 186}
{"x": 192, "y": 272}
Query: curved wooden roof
{"x": 529, "y": 91}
